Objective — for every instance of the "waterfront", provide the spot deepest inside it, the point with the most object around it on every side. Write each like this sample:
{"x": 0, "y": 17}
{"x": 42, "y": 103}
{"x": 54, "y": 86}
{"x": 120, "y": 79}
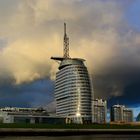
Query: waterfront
{"x": 91, "y": 137}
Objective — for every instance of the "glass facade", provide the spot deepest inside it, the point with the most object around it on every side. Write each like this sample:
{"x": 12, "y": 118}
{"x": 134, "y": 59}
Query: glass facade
{"x": 73, "y": 91}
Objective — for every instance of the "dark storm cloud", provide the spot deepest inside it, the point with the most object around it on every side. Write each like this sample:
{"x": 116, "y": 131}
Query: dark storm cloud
{"x": 34, "y": 94}
{"x": 119, "y": 83}
{"x": 118, "y": 89}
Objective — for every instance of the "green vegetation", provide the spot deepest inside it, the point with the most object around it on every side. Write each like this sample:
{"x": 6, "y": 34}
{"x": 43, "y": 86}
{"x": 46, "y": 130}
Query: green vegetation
{"x": 70, "y": 126}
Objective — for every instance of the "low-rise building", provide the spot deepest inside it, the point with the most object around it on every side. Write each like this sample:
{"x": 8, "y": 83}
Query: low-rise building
{"x": 28, "y": 115}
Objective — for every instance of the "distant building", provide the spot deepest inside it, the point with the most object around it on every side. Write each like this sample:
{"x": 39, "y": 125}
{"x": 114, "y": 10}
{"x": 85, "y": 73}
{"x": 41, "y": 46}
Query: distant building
{"x": 72, "y": 88}
{"x": 119, "y": 113}
{"x": 127, "y": 115}
{"x": 138, "y": 117}
{"x": 99, "y": 109}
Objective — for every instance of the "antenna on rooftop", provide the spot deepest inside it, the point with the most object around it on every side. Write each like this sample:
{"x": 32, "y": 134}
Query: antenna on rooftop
{"x": 66, "y": 44}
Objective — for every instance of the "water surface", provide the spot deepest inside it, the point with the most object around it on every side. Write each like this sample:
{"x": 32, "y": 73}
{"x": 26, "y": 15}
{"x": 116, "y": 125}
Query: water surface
{"x": 91, "y": 137}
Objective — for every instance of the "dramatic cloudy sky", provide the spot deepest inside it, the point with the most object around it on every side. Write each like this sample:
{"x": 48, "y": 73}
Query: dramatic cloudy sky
{"x": 104, "y": 32}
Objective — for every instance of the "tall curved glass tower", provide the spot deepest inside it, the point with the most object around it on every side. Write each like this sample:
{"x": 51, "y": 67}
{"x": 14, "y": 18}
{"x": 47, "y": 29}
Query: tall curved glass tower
{"x": 73, "y": 90}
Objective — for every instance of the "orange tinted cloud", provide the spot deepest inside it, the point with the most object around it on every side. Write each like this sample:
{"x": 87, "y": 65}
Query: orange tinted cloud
{"x": 33, "y": 30}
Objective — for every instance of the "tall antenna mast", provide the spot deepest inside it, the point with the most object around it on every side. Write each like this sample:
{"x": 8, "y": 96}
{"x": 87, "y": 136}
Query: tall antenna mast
{"x": 66, "y": 44}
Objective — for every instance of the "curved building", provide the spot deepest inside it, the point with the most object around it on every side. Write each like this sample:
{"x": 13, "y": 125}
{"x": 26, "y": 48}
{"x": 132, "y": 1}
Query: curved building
{"x": 73, "y": 90}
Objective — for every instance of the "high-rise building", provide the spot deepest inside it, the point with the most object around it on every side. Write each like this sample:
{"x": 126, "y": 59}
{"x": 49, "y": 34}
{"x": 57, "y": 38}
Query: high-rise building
{"x": 119, "y": 113}
{"x": 72, "y": 88}
{"x": 127, "y": 115}
{"x": 99, "y": 109}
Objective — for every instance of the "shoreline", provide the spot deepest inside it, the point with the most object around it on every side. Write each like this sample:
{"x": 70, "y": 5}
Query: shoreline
{"x": 64, "y": 132}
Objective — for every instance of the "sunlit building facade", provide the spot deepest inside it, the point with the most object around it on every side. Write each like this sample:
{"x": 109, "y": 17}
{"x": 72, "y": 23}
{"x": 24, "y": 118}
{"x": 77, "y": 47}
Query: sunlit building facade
{"x": 73, "y": 91}
{"x": 99, "y": 109}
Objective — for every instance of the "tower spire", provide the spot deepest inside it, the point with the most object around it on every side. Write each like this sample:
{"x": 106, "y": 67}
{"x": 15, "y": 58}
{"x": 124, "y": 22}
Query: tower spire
{"x": 66, "y": 44}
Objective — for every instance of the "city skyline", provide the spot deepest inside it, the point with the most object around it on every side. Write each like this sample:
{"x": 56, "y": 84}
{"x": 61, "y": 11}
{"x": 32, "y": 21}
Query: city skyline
{"x": 105, "y": 33}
